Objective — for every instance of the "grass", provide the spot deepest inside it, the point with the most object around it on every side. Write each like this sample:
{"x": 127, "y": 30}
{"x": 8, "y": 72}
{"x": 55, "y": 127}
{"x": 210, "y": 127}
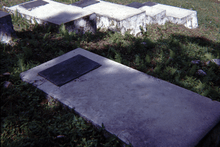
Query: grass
{"x": 165, "y": 52}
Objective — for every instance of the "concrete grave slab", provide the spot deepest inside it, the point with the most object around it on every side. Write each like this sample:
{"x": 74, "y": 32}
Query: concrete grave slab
{"x": 138, "y": 108}
{"x": 6, "y": 28}
{"x": 84, "y": 3}
{"x": 179, "y": 15}
{"x": 118, "y": 17}
{"x": 50, "y": 12}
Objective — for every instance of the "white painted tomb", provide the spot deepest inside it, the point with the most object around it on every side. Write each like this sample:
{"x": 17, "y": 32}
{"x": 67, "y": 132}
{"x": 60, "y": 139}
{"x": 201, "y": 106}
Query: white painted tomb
{"x": 119, "y": 18}
{"x": 178, "y": 15}
{"x": 138, "y": 108}
{"x": 160, "y": 14}
{"x": 74, "y": 18}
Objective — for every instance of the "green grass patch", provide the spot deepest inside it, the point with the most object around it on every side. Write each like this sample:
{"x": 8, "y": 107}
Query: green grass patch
{"x": 165, "y": 52}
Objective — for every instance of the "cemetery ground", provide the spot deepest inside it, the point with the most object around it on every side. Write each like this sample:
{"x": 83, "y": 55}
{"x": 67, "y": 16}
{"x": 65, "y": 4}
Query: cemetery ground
{"x": 170, "y": 52}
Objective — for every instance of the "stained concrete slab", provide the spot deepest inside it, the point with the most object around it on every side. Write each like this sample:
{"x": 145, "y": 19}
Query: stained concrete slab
{"x": 135, "y": 5}
{"x": 74, "y": 18}
{"x": 85, "y": 3}
{"x": 33, "y": 4}
{"x": 119, "y": 18}
{"x": 138, "y": 108}
{"x": 6, "y": 28}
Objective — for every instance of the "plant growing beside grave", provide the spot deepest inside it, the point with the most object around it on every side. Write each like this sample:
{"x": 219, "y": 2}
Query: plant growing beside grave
{"x": 170, "y": 52}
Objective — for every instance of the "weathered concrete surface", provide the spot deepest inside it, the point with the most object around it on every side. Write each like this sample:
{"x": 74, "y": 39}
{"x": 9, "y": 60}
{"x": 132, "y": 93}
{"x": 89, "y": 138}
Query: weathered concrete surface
{"x": 6, "y": 28}
{"x": 179, "y": 15}
{"x": 74, "y": 18}
{"x": 138, "y": 108}
{"x": 118, "y": 17}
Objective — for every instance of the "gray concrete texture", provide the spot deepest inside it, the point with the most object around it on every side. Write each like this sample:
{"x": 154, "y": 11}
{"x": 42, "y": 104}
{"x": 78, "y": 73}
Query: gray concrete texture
{"x": 138, "y": 108}
{"x": 6, "y": 28}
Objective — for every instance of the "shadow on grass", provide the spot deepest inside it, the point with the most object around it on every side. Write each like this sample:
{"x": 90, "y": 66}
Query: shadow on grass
{"x": 168, "y": 59}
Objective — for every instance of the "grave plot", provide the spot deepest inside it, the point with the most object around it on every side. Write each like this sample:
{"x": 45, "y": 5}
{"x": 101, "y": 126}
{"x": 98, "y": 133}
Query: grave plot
{"x": 50, "y": 12}
{"x": 138, "y": 108}
{"x": 117, "y": 17}
{"x": 160, "y": 14}
{"x": 6, "y": 28}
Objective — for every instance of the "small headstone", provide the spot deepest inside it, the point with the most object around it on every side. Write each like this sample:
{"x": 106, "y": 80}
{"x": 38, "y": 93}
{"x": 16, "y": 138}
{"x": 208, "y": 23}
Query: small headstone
{"x": 149, "y": 3}
{"x": 216, "y": 61}
{"x": 195, "y": 61}
{"x": 6, "y": 28}
{"x": 34, "y": 4}
{"x": 69, "y": 70}
{"x": 201, "y": 72}
{"x": 85, "y": 3}
{"x": 136, "y": 5}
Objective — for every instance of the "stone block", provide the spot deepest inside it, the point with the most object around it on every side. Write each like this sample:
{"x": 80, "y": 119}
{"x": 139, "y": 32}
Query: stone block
{"x": 118, "y": 17}
{"x": 6, "y": 28}
{"x": 50, "y": 12}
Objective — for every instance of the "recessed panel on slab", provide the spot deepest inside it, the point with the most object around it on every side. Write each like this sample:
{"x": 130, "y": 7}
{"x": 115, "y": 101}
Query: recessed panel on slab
{"x": 85, "y": 3}
{"x": 69, "y": 70}
{"x": 149, "y": 3}
{"x": 33, "y": 4}
{"x": 135, "y": 5}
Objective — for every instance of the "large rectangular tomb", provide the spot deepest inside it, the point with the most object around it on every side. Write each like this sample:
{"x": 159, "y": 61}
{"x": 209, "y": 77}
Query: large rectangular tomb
{"x": 160, "y": 14}
{"x": 6, "y": 28}
{"x": 74, "y": 18}
{"x": 138, "y": 108}
{"x": 116, "y": 17}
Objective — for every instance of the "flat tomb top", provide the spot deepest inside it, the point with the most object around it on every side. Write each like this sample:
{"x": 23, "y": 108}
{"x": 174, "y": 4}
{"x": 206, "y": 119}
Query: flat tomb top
{"x": 51, "y": 11}
{"x": 85, "y": 3}
{"x": 69, "y": 70}
{"x": 112, "y": 10}
{"x": 134, "y": 106}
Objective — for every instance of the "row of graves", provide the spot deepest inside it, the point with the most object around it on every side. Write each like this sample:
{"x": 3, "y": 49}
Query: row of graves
{"x": 136, "y": 107}
{"x": 88, "y": 15}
